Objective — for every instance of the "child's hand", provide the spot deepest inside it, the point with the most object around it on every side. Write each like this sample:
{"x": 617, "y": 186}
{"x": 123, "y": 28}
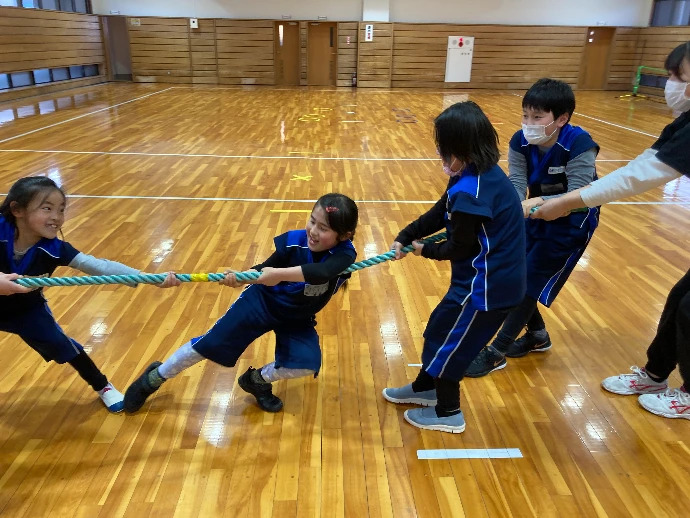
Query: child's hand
{"x": 8, "y": 287}
{"x": 170, "y": 281}
{"x": 550, "y": 210}
{"x": 230, "y": 279}
{"x": 397, "y": 248}
{"x": 418, "y": 245}
{"x": 529, "y": 204}
{"x": 269, "y": 276}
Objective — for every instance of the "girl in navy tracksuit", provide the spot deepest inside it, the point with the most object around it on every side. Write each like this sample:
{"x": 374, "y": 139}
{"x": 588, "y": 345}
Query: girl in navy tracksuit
{"x": 297, "y": 281}
{"x": 486, "y": 247}
{"x": 30, "y": 217}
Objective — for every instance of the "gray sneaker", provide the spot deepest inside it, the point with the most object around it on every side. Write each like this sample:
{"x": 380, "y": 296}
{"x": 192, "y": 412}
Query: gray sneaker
{"x": 405, "y": 394}
{"x": 427, "y": 419}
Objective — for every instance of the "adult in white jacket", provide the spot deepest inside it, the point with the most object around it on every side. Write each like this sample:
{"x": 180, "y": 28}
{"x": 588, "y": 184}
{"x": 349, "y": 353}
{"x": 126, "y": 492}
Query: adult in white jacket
{"x": 668, "y": 159}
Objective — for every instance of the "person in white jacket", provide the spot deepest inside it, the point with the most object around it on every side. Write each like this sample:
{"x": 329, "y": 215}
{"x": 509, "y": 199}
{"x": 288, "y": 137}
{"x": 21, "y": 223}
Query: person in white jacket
{"x": 667, "y": 159}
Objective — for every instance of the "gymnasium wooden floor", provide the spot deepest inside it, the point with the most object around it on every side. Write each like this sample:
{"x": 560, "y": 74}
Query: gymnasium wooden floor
{"x": 201, "y": 179}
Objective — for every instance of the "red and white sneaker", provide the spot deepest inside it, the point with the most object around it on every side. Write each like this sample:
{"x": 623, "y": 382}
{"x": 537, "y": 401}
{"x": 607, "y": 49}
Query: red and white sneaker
{"x": 674, "y": 404}
{"x": 112, "y": 398}
{"x": 638, "y": 382}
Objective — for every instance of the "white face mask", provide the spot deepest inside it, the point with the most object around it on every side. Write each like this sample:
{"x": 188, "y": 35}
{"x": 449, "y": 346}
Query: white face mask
{"x": 675, "y": 96}
{"x": 536, "y": 133}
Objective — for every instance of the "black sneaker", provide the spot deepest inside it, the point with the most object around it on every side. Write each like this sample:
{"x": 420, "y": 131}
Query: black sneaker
{"x": 137, "y": 392}
{"x": 528, "y": 344}
{"x": 263, "y": 392}
{"x": 488, "y": 360}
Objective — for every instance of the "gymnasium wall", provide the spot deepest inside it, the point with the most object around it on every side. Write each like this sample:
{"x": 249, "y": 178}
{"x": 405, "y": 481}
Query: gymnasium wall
{"x": 334, "y": 10}
{"x": 402, "y": 55}
{"x": 625, "y": 58}
{"x": 524, "y": 12}
{"x": 505, "y": 57}
{"x": 508, "y": 12}
{"x": 32, "y": 39}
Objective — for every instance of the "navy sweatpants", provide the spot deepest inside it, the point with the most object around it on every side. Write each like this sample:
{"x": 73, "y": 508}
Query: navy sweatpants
{"x": 297, "y": 343}
{"x": 38, "y": 328}
{"x": 454, "y": 336}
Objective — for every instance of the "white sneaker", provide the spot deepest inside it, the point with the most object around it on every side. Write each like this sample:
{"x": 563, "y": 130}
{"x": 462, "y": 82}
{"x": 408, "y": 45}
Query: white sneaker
{"x": 672, "y": 403}
{"x": 638, "y": 382}
{"x": 112, "y": 398}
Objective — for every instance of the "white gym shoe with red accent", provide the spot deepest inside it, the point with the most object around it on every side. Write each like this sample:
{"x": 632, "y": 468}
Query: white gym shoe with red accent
{"x": 674, "y": 404}
{"x": 112, "y": 399}
{"x": 638, "y": 382}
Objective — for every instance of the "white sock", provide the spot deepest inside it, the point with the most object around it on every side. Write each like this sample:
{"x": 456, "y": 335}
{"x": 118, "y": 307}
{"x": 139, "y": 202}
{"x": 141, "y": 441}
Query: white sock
{"x": 271, "y": 373}
{"x": 181, "y": 359}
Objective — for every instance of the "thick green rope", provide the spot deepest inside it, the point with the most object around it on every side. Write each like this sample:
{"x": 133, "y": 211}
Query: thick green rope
{"x": 157, "y": 278}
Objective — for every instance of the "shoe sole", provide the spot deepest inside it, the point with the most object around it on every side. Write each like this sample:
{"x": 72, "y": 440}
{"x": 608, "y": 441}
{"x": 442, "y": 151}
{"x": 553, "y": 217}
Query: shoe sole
{"x": 409, "y": 401}
{"x": 631, "y": 393}
{"x": 117, "y": 411}
{"x": 662, "y": 414}
{"x": 486, "y": 373}
{"x": 435, "y": 427}
{"x": 540, "y": 349}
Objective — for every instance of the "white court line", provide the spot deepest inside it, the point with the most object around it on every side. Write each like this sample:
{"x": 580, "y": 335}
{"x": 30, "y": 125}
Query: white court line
{"x": 84, "y": 115}
{"x": 341, "y": 90}
{"x": 616, "y": 125}
{"x": 414, "y": 364}
{"x": 279, "y": 200}
{"x": 493, "y": 453}
{"x": 607, "y": 122}
{"x": 211, "y": 155}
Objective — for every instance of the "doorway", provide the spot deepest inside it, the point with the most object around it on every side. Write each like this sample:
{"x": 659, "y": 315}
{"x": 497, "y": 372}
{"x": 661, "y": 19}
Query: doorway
{"x": 595, "y": 58}
{"x": 287, "y": 47}
{"x": 322, "y": 53}
{"x": 118, "y": 53}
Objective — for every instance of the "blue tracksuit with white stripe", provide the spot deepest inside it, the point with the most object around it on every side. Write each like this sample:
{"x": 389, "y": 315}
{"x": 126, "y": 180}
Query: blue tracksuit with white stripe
{"x": 288, "y": 309}
{"x": 485, "y": 283}
{"x": 28, "y": 314}
{"x": 554, "y": 247}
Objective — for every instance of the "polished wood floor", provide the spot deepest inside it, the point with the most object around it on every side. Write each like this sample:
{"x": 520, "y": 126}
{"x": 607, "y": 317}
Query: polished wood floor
{"x": 200, "y": 179}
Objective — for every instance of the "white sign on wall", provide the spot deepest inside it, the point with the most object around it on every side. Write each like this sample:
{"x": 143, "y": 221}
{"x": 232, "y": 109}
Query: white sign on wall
{"x": 459, "y": 59}
{"x": 369, "y": 33}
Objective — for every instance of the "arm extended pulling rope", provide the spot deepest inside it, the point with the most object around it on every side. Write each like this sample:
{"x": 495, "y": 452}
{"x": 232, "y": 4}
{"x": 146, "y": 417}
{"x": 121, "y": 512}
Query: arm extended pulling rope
{"x": 157, "y": 278}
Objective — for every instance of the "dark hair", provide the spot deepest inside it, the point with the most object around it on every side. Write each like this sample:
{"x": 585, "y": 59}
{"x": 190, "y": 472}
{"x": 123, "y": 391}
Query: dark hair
{"x": 341, "y": 213}
{"x": 24, "y": 191}
{"x": 462, "y": 130}
{"x": 550, "y": 95}
{"x": 676, "y": 57}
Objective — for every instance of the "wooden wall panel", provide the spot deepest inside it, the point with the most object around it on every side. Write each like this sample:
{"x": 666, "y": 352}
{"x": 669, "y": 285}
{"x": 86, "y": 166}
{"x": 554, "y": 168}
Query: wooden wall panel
{"x": 245, "y": 51}
{"x": 655, "y": 43}
{"x": 203, "y": 52}
{"x": 347, "y": 52}
{"x": 160, "y": 48}
{"x": 505, "y": 57}
{"x": 33, "y": 39}
{"x": 374, "y": 64}
{"x": 625, "y": 58}
{"x": 303, "y": 40}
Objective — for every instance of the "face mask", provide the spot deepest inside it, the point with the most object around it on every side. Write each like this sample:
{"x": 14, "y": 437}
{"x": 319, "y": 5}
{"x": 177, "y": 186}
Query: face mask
{"x": 449, "y": 169}
{"x": 536, "y": 134}
{"x": 675, "y": 96}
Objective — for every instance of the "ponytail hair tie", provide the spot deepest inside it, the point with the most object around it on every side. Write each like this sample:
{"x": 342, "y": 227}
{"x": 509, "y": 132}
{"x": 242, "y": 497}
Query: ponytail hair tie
{"x": 331, "y": 209}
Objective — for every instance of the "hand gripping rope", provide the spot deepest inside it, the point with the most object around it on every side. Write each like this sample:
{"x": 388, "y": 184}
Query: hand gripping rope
{"x": 157, "y": 278}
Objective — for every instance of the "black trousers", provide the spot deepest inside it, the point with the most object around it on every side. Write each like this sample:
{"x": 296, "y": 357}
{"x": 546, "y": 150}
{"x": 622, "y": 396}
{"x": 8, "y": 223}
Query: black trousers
{"x": 671, "y": 345}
